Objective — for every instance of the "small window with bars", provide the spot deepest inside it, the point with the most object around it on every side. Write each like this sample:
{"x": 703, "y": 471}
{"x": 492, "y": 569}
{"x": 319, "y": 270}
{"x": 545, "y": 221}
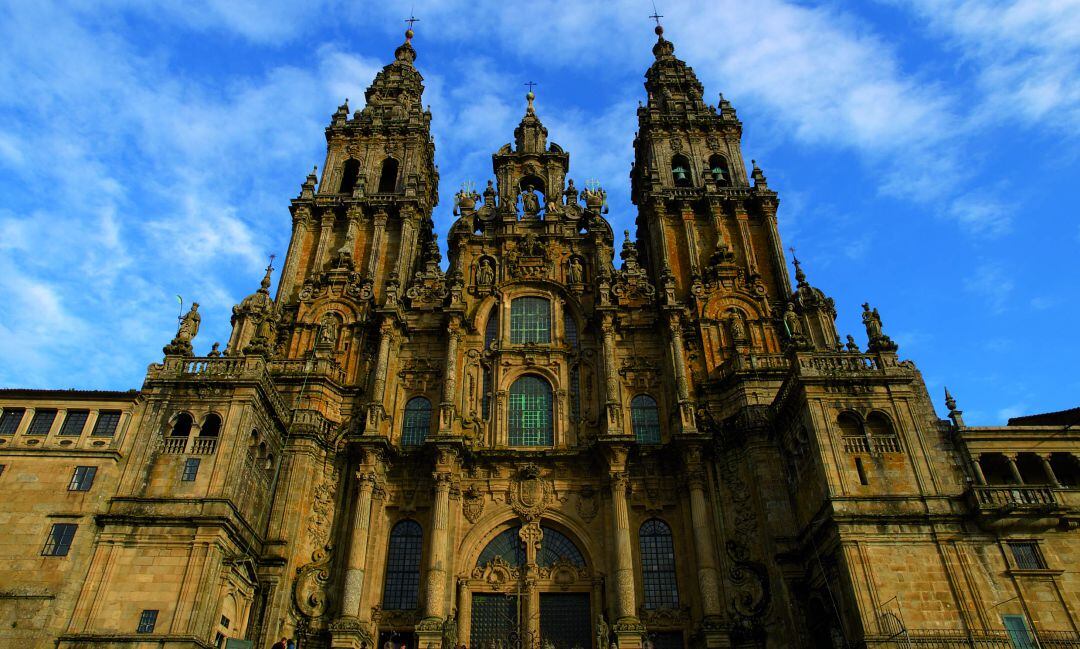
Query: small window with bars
{"x": 10, "y": 420}
{"x": 106, "y": 423}
{"x": 530, "y": 321}
{"x": 83, "y": 478}
{"x": 191, "y": 469}
{"x": 1027, "y": 555}
{"x": 59, "y": 542}
{"x": 74, "y": 422}
{"x": 42, "y": 421}
{"x": 417, "y": 422}
{"x": 645, "y": 419}
{"x": 147, "y": 621}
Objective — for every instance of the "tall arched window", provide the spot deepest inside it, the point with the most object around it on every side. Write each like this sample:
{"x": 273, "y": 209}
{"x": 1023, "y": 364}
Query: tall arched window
{"x": 491, "y": 331}
{"x": 350, "y": 173}
{"x": 388, "y": 176}
{"x": 530, "y": 320}
{"x": 491, "y": 336}
{"x": 182, "y": 425}
{"x": 645, "y": 419}
{"x": 680, "y": 171}
{"x": 211, "y": 426}
{"x": 849, "y": 425}
{"x": 718, "y": 169}
{"x": 658, "y": 565}
{"x": 877, "y": 425}
{"x": 401, "y": 589}
{"x": 417, "y": 421}
{"x": 530, "y": 412}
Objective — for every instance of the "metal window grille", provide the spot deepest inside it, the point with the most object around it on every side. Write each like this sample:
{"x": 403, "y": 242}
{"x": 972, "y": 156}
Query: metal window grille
{"x": 645, "y": 419}
{"x": 59, "y": 541}
{"x": 658, "y": 565}
{"x": 74, "y": 422}
{"x": 147, "y": 621}
{"x": 485, "y": 405}
{"x": 106, "y": 423}
{"x": 42, "y": 422}
{"x": 530, "y": 412}
{"x": 1027, "y": 556}
{"x": 10, "y": 419}
{"x": 575, "y": 392}
{"x": 494, "y": 620}
{"x": 507, "y": 546}
{"x": 83, "y": 478}
{"x": 530, "y": 321}
{"x": 570, "y": 325}
{"x": 402, "y": 586}
{"x": 491, "y": 331}
{"x": 191, "y": 469}
{"x": 556, "y": 546}
{"x": 564, "y": 619}
{"x": 417, "y": 421}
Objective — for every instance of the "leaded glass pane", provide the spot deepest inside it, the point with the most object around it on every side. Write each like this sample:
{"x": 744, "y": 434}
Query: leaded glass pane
{"x": 485, "y": 405}
{"x": 658, "y": 565}
{"x": 494, "y": 619}
{"x": 10, "y": 419}
{"x": 575, "y": 393}
{"x": 645, "y": 419}
{"x": 530, "y": 412}
{"x": 506, "y": 545}
{"x": 570, "y": 325}
{"x": 417, "y": 421}
{"x": 565, "y": 621}
{"x": 530, "y": 320}
{"x": 1027, "y": 556}
{"x": 491, "y": 331}
{"x": 42, "y": 422}
{"x": 74, "y": 422}
{"x": 555, "y": 546}
{"x": 402, "y": 587}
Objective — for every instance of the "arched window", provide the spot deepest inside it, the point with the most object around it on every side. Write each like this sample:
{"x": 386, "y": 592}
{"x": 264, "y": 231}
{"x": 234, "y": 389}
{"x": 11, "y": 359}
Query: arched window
{"x": 350, "y": 173}
{"x": 570, "y": 325}
{"x": 658, "y": 565}
{"x": 849, "y": 425}
{"x": 877, "y": 425}
{"x": 680, "y": 171}
{"x": 507, "y": 546}
{"x": 554, "y": 546}
{"x": 530, "y": 320}
{"x": 401, "y": 588}
{"x": 417, "y": 421}
{"x": 645, "y": 419}
{"x": 388, "y": 177}
{"x": 182, "y": 425}
{"x": 530, "y": 412}
{"x": 491, "y": 331}
{"x": 572, "y": 339}
{"x": 211, "y": 426}
{"x": 718, "y": 169}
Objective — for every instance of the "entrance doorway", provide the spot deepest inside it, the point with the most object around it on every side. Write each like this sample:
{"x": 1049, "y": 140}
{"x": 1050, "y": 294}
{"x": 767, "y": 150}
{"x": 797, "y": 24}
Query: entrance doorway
{"x": 565, "y": 621}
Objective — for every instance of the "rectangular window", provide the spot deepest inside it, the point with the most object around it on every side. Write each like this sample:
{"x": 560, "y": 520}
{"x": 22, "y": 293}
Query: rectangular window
{"x": 74, "y": 422}
{"x": 59, "y": 541}
{"x": 147, "y": 621}
{"x": 83, "y": 478}
{"x": 10, "y": 420}
{"x": 224, "y": 621}
{"x": 1027, "y": 556}
{"x": 2, "y": 467}
{"x": 42, "y": 421}
{"x": 1019, "y": 636}
{"x": 530, "y": 321}
{"x": 106, "y": 423}
{"x": 191, "y": 469}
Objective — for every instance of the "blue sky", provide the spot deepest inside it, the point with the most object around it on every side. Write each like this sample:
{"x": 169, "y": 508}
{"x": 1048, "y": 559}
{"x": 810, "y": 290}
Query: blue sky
{"x": 925, "y": 153}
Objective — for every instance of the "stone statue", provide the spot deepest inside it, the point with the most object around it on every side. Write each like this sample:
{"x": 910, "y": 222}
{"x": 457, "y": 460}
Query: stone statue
{"x": 852, "y": 346}
{"x": 738, "y": 327}
{"x": 328, "y": 332}
{"x": 792, "y": 323}
{"x": 571, "y": 193}
{"x": 189, "y": 325}
{"x": 449, "y": 631}
{"x": 530, "y": 202}
{"x": 485, "y": 274}
{"x": 872, "y": 321}
{"x": 577, "y": 271}
{"x": 602, "y": 631}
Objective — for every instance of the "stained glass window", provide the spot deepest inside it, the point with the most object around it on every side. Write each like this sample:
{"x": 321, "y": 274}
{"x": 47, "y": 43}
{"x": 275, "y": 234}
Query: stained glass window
{"x": 402, "y": 587}
{"x": 507, "y": 545}
{"x": 530, "y": 320}
{"x": 645, "y": 419}
{"x": 530, "y": 412}
{"x": 417, "y": 421}
{"x": 658, "y": 565}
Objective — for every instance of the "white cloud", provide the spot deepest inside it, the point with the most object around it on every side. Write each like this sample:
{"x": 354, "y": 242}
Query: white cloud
{"x": 991, "y": 282}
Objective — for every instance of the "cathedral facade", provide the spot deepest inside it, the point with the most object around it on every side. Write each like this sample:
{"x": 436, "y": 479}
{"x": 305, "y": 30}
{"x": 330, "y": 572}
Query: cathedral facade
{"x": 561, "y": 437}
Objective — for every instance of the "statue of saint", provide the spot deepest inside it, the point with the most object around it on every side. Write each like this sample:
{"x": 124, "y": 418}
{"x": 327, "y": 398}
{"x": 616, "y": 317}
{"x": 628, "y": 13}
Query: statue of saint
{"x": 328, "y": 332}
{"x": 852, "y": 346}
{"x": 530, "y": 202}
{"x": 577, "y": 271}
{"x": 872, "y": 321}
{"x": 189, "y": 324}
{"x": 449, "y": 631}
{"x": 791, "y": 322}
{"x": 602, "y": 631}
{"x": 738, "y": 327}
{"x": 485, "y": 274}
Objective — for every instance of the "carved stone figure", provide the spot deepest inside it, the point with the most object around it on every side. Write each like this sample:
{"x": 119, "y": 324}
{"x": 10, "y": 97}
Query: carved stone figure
{"x": 530, "y": 202}
{"x": 792, "y": 324}
{"x": 738, "y": 327}
{"x": 576, "y": 271}
{"x": 328, "y": 332}
{"x": 189, "y": 325}
{"x": 872, "y": 322}
{"x": 602, "y": 631}
{"x": 485, "y": 274}
{"x": 449, "y": 631}
{"x": 852, "y": 346}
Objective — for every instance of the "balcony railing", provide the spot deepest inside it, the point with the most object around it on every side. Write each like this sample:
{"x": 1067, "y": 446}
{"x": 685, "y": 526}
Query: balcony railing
{"x": 927, "y": 639}
{"x": 204, "y": 446}
{"x": 1013, "y": 496}
{"x": 175, "y": 445}
{"x": 875, "y": 445}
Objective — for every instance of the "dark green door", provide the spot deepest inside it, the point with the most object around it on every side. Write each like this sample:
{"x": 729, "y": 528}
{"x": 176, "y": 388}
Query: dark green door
{"x": 565, "y": 620}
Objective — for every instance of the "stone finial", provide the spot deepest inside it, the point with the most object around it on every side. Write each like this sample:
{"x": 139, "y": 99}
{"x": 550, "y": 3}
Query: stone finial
{"x": 759, "y": 176}
{"x": 957, "y": 416}
{"x": 307, "y": 189}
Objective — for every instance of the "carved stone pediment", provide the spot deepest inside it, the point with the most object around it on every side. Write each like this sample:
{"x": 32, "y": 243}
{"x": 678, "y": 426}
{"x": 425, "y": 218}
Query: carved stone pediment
{"x": 497, "y": 574}
{"x": 417, "y": 374}
{"x": 472, "y": 503}
{"x": 639, "y": 372}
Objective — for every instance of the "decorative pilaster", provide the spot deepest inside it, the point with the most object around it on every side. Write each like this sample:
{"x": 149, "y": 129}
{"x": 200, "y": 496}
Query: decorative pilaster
{"x": 692, "y": 247}
{"x": 358, "y": 544}
{"x": 407, "y": 249}
{"x": 446, "y": 409}
{"x": 378, "y": 231}
{"x": 627, "y": 627}
{"x": 326, "y": 230}
{"x": 682, "y": 386}
{"x": 708, "y": 577}
{"x": 429, "y": 630}
{"x": 378, "y": 389}
{"x": 611, "y": 381}
{"x": 292, "y": 257}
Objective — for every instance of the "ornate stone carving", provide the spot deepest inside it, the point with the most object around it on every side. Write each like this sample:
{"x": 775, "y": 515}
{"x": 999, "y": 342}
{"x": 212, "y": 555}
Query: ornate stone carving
{"x": 588, "y": 505}
{"x": 309, "y": 589}
{"x": 529, "y": 493}
{"x": 639, "y": 372}
{"x": 322, "y": 507}
{"x": 417, "y": 374}
{"x": 473, "y": 503}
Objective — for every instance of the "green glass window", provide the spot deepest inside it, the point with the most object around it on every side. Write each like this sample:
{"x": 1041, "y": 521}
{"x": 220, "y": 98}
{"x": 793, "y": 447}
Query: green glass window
{"x": 645, "y": 419}
{"x": 530, "y": 321}
{"x": 658, "y": 565}
{"x": 530, "y": 412}
{"x": 417, "y": 422}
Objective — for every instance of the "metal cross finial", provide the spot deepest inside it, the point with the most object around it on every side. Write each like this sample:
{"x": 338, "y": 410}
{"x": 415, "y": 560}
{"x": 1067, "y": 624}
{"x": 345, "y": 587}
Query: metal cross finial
{"x": 272, "y": 256}
{"x": 531, "y": 84}
{"x": 411, "y": 19}
{"x": 656, "y": 15}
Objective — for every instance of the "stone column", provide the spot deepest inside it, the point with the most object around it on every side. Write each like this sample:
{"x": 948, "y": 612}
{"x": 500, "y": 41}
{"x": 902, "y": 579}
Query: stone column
{"x": 407, "y": 248}
{"x": 326, "y": 230}
{"x": 690, "y": 229}
{"x": 625, "y": 598}
{"x": 1014, "y": 470}
{"x": 446, "y": 410}
{"x": 435, "y": 590}
{"x": 292, "y": 257}
{"x": 611, "y": 383}
{"x": 708, "y": 577}
{"x": 464, "y": 611}
{"x": 377, "y": 232}
{"x": 378, "y": 389}
{"x": 682, "y": 386}
{"x": 980, "y": 478}
{"x": 358, "y": 545}
{"x": 743, "y": 220}
{"x": 1049, "y": 470}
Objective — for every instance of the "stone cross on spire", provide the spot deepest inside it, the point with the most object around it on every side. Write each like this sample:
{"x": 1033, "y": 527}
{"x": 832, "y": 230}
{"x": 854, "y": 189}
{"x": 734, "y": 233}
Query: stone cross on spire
{"x": 530, "y": 96}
